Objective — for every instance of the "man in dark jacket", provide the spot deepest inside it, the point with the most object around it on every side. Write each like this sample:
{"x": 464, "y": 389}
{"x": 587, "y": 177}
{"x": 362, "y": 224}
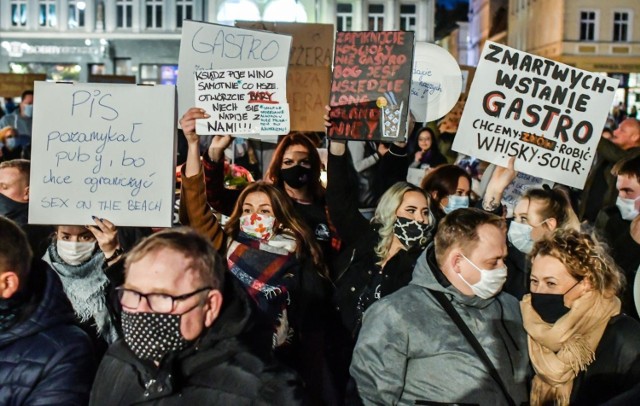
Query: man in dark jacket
{"x": 185, "y": 333}
{"x": 600, "y": 188}
{"x": 614, "y": 225}
{"x": 14, "y": 203}
{"x": 44, "y": 358}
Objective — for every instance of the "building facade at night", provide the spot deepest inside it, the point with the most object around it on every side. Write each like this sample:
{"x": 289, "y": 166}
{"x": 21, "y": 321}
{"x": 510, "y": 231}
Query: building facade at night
{"x": 73, "y": 39}
{"x": 595, "y": 35}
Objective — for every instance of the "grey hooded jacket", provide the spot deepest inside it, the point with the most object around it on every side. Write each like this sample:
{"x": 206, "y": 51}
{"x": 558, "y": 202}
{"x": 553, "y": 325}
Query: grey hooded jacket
{"x": 410, "y": 352}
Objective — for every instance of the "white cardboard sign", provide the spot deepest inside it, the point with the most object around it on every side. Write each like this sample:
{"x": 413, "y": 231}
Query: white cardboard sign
{"x": 104, "y": 150}
{"x": 547, "y": 114}
{"x": 251, "y": 101}
{"x": 212, "y": 46}
{"x": 436, "y": 82}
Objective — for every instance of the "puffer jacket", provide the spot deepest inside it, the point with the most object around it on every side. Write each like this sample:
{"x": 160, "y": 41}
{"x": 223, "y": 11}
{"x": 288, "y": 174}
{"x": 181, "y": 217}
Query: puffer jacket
{"x": 46, "y": 359}
{"x": 219, "y": 369}
{"x": 410, "y": 352}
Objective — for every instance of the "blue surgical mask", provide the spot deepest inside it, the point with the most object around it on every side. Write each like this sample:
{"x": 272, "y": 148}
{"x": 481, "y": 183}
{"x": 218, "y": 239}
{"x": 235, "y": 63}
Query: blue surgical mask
{"x": 28, "y": 110}
{"x": 456, "y": 202}
{"x": 520, "y": 236}
{"x": 11, "y": 143}
{"x": 627, "y": 208}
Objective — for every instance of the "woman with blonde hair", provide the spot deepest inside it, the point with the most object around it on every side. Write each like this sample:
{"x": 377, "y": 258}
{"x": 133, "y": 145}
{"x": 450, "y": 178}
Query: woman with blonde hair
{"x": 9, "y": 144}
{"x": 379, "y": 255}
{"x": 538, "y": 213}
{"x": 583, "y": 350}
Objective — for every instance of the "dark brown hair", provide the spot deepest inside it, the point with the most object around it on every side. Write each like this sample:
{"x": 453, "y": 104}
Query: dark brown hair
{"x": 273, "y": 173}
{"x": 287, "y": 220}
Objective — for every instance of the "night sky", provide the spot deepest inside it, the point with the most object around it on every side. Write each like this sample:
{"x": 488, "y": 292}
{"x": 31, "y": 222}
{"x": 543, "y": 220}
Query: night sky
{"x": 451, "y": 3}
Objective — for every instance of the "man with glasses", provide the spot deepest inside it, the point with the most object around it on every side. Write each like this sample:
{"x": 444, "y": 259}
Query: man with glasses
{"x": 183, "y": 325}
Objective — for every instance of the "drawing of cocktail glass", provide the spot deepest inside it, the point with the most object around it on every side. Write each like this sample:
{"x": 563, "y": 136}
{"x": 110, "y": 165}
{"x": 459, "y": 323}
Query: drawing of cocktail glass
{"x": 390, "y": 120}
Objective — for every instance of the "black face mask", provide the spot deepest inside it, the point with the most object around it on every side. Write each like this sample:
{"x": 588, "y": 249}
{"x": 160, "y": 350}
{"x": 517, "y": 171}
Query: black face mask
{"x": 153, "y": 335}
{"x": 410, "y": 232}
{"x": 296, "y": 176}
{"x": 550, "y": 307}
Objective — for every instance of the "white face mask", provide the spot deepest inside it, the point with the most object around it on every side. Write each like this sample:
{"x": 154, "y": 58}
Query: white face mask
{"x": 520, "y": 236}
{"x": 627, "y": 208}
{"x": 490, "y": 283}
{"x": 75, "y": 253}
{"x": 456, "y": 202}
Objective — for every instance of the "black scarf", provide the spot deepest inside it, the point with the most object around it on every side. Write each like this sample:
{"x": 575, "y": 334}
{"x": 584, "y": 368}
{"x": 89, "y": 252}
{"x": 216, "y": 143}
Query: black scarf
{"x": 16, "y": 211}
{"x": 10, "y": 311}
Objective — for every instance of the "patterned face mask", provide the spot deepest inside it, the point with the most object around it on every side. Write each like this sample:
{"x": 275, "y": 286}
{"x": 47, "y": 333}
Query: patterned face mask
{"x": 151, "y": 336}
{"x": 256, "y": 225}
{"x": 411, "y": 232}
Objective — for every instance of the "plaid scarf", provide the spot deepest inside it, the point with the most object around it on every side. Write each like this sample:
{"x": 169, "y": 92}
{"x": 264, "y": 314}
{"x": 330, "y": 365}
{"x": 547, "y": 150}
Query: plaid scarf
{"x": 266, "y": 272}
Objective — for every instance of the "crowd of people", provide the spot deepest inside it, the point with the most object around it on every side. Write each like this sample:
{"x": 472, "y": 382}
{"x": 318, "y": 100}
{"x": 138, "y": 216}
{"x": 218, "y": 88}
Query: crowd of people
{"x": 361, "y": 289}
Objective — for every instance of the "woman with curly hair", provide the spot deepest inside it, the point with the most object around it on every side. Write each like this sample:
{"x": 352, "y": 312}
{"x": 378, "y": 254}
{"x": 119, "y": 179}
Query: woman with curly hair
{"x": 583, "y": 350}
{"x": 538, "y": 213}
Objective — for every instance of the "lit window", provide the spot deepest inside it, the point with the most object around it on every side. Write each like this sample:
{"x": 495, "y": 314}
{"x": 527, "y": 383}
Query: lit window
{"x": 588, "y": 25}
{"x": 76, "y": 13}
{"x": 621, "y": 23}
{"x": 344, "y": 15}
{"x": 47, "y": 13}
{"x": 184, "y": 11}
{"x": 18, "y": 13}
{"x": 376, "y": 17}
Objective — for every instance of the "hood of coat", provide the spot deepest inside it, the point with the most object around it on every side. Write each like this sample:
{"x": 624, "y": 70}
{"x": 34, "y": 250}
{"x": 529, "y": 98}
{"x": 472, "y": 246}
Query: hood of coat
{"x": 50, "y": 306}
{"x": 428, "y": 275}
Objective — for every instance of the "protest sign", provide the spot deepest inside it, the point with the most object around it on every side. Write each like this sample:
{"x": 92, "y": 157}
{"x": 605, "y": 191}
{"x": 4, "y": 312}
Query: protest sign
{"x": 104, "y": 150}
{"x": 309, "y": 74}
{"x": 370, "y": 85}
{"x": 516, "y": 189}
{"x": 214, "y": 46}
{"x": 436, "y": 82}
{"x": 548, "y": 115}
{"x": 248, "y": 101}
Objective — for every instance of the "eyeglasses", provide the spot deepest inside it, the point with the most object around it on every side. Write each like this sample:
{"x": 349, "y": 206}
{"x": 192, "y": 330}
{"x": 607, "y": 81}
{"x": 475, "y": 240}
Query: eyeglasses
{"x": 158, "y": 302}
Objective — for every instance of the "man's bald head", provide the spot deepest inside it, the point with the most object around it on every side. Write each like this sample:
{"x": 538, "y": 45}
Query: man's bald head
{"x": 627, "y": 135}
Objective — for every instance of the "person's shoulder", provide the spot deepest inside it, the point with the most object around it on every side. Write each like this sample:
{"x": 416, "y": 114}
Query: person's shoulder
{"x": 624, "y": 328}
{"x": 510, "y": 305}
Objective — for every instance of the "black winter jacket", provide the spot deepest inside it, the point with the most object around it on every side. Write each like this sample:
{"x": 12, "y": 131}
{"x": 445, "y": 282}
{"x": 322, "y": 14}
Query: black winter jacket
{"x": 624, "y": 250}
{"x": 356, "y": 276}
{"x": 616, "y": 368}
{"x": 219, "y": 369}
{"x": 45, "y": 359}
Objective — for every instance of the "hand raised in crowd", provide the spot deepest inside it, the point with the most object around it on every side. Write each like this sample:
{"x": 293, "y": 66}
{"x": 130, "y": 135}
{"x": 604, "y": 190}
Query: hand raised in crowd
{"x": 500, "y": 179}
{"x": 218, "y": 144}
{"x": 382, "y": 149}
{"x": 327, "y": 119}
{"x": 188, "y": 124}
{"x": 106, "y": 234}
{"x": 418, "y": 155}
